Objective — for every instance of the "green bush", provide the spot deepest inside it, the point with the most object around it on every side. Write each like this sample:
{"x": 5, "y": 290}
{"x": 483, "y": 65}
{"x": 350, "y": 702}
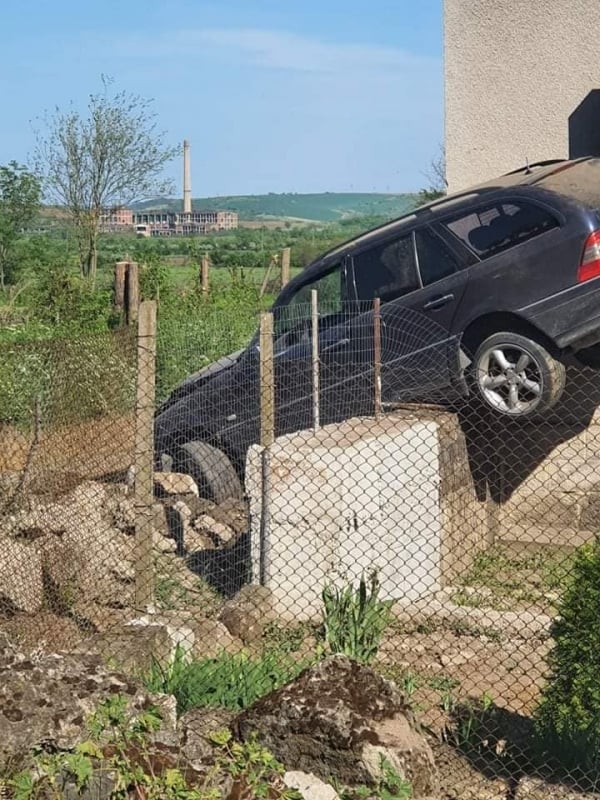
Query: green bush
{"x": 568, "y": 717}
{"x": 354, "y": 619}
{"x": 70, "y": 379}
{"x": 64, "y": 300}
{"x": 228, "y": 681}
{"x": 193, "y": 332}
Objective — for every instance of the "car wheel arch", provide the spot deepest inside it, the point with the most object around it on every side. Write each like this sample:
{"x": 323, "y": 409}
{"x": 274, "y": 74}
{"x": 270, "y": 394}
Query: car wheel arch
{"x": 486, "y": 325}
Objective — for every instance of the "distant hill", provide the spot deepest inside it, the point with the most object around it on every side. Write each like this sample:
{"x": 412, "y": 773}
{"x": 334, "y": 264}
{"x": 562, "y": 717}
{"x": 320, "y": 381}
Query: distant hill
{"x": 325, "y": 207}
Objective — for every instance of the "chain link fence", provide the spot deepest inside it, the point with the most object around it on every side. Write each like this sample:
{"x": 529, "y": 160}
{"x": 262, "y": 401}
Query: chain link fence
{"x": 327, "y": 488}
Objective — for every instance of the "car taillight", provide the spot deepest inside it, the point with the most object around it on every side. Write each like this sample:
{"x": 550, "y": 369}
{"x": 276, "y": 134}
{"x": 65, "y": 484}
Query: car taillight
{"x": 590, "y": 260}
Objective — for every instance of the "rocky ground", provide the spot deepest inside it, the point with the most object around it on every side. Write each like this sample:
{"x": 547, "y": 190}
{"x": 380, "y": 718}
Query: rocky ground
{"x": 67, "y": 583}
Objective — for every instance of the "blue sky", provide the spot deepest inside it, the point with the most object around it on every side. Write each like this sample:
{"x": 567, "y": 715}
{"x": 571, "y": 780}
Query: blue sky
{"x": 274, "y": 95}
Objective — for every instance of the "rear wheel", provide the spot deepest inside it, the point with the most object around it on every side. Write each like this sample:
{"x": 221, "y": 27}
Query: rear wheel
{"x": 211, "y": 469}
{"x": 517, "y": 376}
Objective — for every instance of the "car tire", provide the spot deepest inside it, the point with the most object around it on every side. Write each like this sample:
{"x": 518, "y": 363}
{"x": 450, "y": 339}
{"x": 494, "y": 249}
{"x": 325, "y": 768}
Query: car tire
{"x": 516, "y": 376}
{"x": 214, "y": 473}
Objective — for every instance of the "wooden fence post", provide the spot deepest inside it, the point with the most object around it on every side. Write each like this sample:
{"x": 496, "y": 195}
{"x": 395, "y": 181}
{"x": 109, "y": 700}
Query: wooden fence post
{"x": 286, "y": 255}
{"x": 267, "y": 381}
{"x": 204, "y": 274}
{"x": 144, "y": 456}
{"x": 267, "y": 437}
{"x": 119, "y": 286}
{"x": 132, "y": 293}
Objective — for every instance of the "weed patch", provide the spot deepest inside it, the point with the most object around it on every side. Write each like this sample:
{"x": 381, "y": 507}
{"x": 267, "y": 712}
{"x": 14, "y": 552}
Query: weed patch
{"x": 354, "y": 620}
{"x": 229, "y": 681}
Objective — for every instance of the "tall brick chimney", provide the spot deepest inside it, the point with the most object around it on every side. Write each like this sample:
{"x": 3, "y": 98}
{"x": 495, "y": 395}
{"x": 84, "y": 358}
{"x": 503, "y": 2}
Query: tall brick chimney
{"x": 187, "y": 180}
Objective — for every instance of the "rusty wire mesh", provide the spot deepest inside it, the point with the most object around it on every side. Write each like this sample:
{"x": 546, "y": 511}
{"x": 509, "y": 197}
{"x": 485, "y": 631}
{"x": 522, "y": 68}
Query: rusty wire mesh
{"x": 470, "y": 524}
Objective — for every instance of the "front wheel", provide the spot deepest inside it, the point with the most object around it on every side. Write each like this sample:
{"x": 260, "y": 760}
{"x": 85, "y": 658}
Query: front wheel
{"x": 214, "y": 473}
{"x": 516, "y": 376}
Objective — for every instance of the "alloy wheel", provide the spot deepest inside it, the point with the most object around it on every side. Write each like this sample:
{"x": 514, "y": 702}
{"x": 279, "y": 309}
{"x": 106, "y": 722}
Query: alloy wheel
{"x": 510, "y": 379}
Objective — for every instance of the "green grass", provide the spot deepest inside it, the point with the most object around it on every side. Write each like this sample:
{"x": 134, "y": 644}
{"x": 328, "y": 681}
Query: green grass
{"x": 503, "y": 576}
{"x": 228, "y": 681}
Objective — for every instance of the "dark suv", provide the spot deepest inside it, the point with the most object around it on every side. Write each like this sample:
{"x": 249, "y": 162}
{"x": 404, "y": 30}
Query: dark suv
{"x": 484, "y": 294}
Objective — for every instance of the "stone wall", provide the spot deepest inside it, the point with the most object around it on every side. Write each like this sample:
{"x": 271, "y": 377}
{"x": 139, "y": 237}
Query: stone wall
{"x": 548, "y": 479}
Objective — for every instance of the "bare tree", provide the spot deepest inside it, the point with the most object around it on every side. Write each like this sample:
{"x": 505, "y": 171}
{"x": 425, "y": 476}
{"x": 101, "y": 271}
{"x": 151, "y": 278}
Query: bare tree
{"x": 101, "y": 160}
{"x": 436, "y": 176}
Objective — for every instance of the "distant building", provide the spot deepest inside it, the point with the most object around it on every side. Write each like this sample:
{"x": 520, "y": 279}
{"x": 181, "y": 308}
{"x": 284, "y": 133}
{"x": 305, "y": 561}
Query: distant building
{"x": 117, "y": 219}
{"x": 171, "y": 223}
{"x": 175, "y": 223}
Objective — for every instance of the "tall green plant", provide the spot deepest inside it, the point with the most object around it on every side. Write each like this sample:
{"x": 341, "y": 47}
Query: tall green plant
{"x": 355, "y": 619}
{"x": 228, "y": 681}
{"x": 568, "y": 717}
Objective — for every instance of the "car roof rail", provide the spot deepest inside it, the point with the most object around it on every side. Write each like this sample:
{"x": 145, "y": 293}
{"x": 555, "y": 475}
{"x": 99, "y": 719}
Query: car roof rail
{"x": 536, "y": 164}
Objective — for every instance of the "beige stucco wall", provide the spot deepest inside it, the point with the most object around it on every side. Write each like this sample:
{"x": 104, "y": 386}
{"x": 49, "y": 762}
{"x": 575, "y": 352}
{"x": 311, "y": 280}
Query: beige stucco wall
{"x": 515, "y": 71}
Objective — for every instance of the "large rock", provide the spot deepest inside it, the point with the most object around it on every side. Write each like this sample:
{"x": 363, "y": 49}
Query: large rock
{"x": 195, "y": 727}
{"x": 134, "y": 649}
{"x": 248, "y": 612}
{"x": 174, "y": 483}
{"x": 211, "y": 638}
{"x": 49, "y": 701}
{"x": 84, "y": 557}
{"x": 21, "y": 583}
{"x": 338, "y": 720}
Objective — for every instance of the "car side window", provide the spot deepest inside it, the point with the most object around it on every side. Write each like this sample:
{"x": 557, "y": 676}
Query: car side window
{"x": 493, "y": 229}
{"x": 436, "y": 261}
{"x": 386, "y": 270}
{"x": 298, "y": 309}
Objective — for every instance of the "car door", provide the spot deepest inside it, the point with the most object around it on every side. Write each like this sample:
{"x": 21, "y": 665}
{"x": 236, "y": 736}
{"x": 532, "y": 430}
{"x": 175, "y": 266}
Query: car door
{"x": 443, "y": 281}
{"x": 415, "y": 318}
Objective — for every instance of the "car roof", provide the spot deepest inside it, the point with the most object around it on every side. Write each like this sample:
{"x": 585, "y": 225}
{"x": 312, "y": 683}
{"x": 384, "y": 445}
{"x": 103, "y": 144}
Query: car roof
{"x": 529, "y": 174}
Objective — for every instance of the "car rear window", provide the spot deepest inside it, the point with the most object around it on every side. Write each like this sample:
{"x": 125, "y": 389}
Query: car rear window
{"x": 493, "y": 229}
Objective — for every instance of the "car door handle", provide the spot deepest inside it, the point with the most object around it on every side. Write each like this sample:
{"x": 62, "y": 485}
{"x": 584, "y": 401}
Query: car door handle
{"x": 438, "y": 302}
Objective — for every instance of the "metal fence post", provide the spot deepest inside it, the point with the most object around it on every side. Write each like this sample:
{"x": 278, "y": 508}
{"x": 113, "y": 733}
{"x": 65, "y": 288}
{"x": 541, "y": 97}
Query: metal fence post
{"x": 314, "y": 300}
{"x": 377, "y": 354}
{"x": 267, "y": 436}
{"x": 144, "y": 455}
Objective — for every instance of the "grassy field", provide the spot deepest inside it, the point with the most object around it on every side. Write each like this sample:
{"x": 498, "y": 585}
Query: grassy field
{"x": 324, "y": 207}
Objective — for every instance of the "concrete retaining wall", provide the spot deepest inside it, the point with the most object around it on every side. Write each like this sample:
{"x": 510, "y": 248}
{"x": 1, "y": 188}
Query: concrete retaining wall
{"x": 394, "y": 495}
{"x": 549, "y": 470}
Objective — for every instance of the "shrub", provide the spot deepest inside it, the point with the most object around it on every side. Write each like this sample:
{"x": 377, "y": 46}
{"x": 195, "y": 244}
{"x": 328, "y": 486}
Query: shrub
{"x": 354, "y": 620}
{"x": 71, "y": 379}
{"x": 568, "y": 717}
{"x": 228, "y": 681}
{"x": 194, "y": 332}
